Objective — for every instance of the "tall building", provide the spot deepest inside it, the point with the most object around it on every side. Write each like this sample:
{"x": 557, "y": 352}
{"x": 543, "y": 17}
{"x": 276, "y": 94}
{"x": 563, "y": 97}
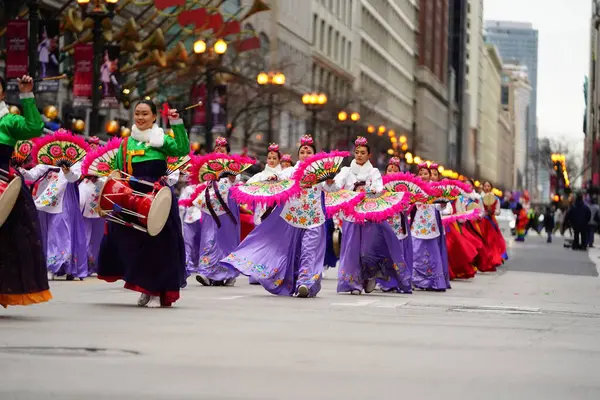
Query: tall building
{"x": 488, "y": 138}
{"x": 472, "y": 152}
{"x": 432, "y": 97}
{"x": 505, "y": 161}
{"x": 518, "y": 44}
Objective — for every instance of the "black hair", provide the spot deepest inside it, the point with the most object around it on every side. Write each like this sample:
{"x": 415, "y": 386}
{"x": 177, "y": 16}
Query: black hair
{"x": 472, "y": 182}
{"x": 365, "y": 146}
{"x": 150, "y": 104}
{"x": 484, "y": 182}
{"x": 278, "y": 153}
{"x": 3, "y": 84}
{"x": 312, "y": 146}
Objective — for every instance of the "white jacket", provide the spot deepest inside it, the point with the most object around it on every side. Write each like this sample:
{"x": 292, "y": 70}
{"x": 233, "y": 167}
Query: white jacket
{"x": 89, "y": 196}
{"x": 268, "y": 172}
{"x": 189, "y": 214}
{"x": 51, "y": 189}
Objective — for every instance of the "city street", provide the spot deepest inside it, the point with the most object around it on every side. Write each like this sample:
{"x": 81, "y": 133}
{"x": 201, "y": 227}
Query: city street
{"x": 529, "y": 331}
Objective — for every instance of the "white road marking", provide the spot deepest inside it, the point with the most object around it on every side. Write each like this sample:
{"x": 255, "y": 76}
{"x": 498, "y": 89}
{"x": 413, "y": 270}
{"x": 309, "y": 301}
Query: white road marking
{"x": 497, "y": 309}
{"x": 595, "y": 257}
{"x": 356, "y": 304}
{"x": 391, "y": 305}
{"x": 230, "y": 297}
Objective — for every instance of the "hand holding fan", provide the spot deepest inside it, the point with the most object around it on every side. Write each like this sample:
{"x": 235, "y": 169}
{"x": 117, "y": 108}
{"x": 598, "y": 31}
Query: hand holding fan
{"x": 449, "y": 190}
{"x": 266, "y": 192}
{"x": 22, "y": 152}
{"x": 100, "y": 162}
{"x": 420, "y": 191}
{"x": 61, "y": 149}
{"x": 461, "y": 217}
{"x": 342, "y": 200}
{"x": 215, "y": 166}
{"x": 319, "y": 168}
{"x": 176, "y": 163}
{"x": 377, "y": 207}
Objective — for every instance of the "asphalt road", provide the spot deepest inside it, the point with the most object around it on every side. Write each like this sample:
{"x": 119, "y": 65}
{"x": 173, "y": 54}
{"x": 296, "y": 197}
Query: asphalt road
{"x": 529, "y": 331}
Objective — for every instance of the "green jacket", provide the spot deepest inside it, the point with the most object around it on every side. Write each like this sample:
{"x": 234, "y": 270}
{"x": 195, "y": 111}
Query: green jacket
{"x": 21, "y": 127}
{"x": 177, "y": 146}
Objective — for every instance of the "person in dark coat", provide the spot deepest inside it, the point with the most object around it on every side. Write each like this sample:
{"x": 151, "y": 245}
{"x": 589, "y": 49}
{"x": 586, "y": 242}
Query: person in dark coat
{"x": 549, "y": 223}
{"x": 578, "y": 217}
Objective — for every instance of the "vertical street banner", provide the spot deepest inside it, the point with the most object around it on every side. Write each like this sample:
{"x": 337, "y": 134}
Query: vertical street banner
{"x": 199, "y": 113}
{"x": 219, "y": 109}
{"x": 110, "y": 77}
{"x": 82, "y": 80}
{"x": 47, "y": 54}
{"x": 16, "y": 49}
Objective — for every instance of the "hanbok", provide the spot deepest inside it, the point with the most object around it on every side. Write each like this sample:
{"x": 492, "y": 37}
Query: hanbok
{"x": 93, "y": 224}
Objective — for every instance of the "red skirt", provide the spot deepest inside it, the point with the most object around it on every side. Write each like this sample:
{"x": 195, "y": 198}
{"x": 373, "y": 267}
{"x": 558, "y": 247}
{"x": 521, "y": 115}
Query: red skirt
{"x": 495, "y": 240}
{"x": 485, "y": 255}
{"x": 247, "y": 224}
{"x": 461, "y": 253}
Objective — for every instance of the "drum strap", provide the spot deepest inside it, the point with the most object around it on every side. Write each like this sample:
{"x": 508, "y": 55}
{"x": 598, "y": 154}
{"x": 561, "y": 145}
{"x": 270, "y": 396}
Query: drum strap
{"x": 223, "y": 204}
{"x": 267, "y": 212}
{"x": 221, "y": 201}
{"x": 211, "y": 210}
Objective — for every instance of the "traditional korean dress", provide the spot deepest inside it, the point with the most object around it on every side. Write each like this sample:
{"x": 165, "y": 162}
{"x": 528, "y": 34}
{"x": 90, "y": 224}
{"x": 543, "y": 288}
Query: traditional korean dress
{"x": 219, "y": 233}
{"x": 23, "y": 275}
{"x": 371, "y": 250}
{"x": 485, "y": 254}
{"x": 62, "y": 230}
{"x": 152, "y": 265}
{"x": 430, "y": 257}
{"x": 491, "y": 232}
{"x": 192, "y": 220}
{"x": 462, "y": 250}
{"x": 93, "y": 224}
{"x": 401, "y": 228}
{"x": 286, "y": 251}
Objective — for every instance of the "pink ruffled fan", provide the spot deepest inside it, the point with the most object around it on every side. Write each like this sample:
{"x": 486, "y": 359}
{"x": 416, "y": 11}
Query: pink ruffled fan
{"x": 342, "y": 200}
{"x": 420, "y": 191}
{"x": 462, "y": 217}
{"x": 319, "y": 168}
{"x": 266, "y": 192}
{"x": 449, "y": 189}
{"x": 100, "y": 162}
{"x": 59, "y": 149}
{"x": 215, "y": 166}
{"x": 377, "y": 207}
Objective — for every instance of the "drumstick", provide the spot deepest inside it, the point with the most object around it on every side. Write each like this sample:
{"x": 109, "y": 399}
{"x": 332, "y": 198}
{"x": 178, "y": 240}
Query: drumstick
{"x": 198, "y": 104}
{"x": 49, "y": 78}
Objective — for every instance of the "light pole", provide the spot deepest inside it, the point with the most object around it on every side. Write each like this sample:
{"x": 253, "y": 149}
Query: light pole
{"x": 271, "y": 80}
{"x": 348, "y": 120}
{"x": 212, "y": 57}
{"x": 101, "y": 9}
{"x": 314, "y": 102}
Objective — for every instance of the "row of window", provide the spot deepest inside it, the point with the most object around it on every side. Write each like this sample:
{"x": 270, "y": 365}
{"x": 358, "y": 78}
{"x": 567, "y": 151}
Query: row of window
{"x": 342, "y": 9}
{"x": 331, "y": 42}
{"x": 381, "y": 98}
{"x": 327, "y": 81}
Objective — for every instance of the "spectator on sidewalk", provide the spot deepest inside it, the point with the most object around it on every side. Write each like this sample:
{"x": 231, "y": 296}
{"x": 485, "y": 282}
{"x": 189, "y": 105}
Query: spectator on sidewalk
{"x": 559, "y": 216}
{"x": 521, "y": 223}
{"x": 578, "y": 217}
{"x": 549, "y": 223}
{"x": 594, "y": 221}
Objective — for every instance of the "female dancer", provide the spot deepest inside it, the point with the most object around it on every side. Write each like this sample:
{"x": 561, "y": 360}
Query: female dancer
{"x": 286, "y": 252}
{"x": 490, "y": 228}
{"x": 62, "y": 227}
{"x": 286, "y": 161}
{"x": 23, "y": 276}
{"x": 192, "y": 224}
{"x": 430, "y": 258}
{"x": 151, "y": 265}
{"x": 220, "y": 229}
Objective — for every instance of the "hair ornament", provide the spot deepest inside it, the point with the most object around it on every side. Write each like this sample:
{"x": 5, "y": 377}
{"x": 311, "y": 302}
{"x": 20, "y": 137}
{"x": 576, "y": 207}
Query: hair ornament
{"x": 94, "y": 140}
{"x": 274, "y": 147}
{"x": 306, "y": 140}
{"x": 394, "y": 161}
{"x": 221, "y": 142}
{"x": 286, "y": 158}
{"x": 360, "y": 141}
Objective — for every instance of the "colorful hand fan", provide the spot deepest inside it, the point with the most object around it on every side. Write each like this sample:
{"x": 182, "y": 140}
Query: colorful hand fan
{"x": 175, "y": 163}
{"x": 215, "y": 166}
{"x": 319, "y": 168}
{"x": 342, "y": 200}
{"x": 461, "y": 217}
{"x": 265, "y": 192}
{"x": 190, "y": 200}
{"x": 59, "y": 149}
{"x": 22, "y": 152}
{"x": 419, "y": 190}
{"x": 377, "y": 207}
{"x": 449, "y": 190}
{"x": 100, "y": 162}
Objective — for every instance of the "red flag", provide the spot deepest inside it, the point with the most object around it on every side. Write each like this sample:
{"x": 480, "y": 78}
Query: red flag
{"x": 162, "y": 4}
{"x": 247, "y": 44}
{"x": 16, "y": 48}
{"x": 230, "y": 28}
{"x": 82, "y": 80}
{"x": 197, "y": 17}
{"x": 215, "y": 22}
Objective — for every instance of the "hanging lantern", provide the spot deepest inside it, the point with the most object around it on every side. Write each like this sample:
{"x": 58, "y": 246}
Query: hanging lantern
{"x": 125, "y": 132}
{"x": 51, "y": 112}
{"x": 112, "y": 127}
{"x": 78, "y": 125}
{"x": 195, "y": 146}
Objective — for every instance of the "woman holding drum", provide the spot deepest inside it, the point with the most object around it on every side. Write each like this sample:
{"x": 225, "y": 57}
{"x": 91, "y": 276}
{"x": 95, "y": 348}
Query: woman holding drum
{"x": 23, "y": 278}
{"x": 151, "y": 265}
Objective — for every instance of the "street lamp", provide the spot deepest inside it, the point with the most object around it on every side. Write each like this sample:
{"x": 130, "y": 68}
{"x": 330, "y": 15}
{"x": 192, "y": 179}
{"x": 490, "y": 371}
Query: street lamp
{"x": 343, "y": 118}
{"x": 211, "y": 56}
{"x": 270, "y": 80}
{"x": 101, "y": 9}
{"x": 314, "y": 102}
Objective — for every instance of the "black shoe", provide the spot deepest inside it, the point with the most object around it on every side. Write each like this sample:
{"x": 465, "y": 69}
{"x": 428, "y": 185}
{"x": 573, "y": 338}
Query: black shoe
{"x": 204, "y": 281}
{"x": 70, "y": 278}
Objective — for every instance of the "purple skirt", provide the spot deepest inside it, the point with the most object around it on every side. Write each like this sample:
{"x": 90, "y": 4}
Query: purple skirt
{"x": 191, "y": 237}
{"x": 217, "y": 242}
{"x": 94, "y": 232}
{"x": 64, "y": 239}
{"x": 372, "y": 251}
{"x": 430, "y": 262}
{"x": 281, "y": 257}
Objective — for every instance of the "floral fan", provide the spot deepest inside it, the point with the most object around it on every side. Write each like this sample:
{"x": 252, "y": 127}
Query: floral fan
{"x": 404, "y": 182}
{"x": 60, "y": 149}
{"x": 175, "y": 163}
{"x": 22, "y": 152}
{"x": 265, "y": 192}
{"x": 377, "y": 207}
{"x": 342, "y": 200}
{"x": 213, "y": 167}
{"x": 449, "y": 190}
{"x": 319, "y": 168}
{"x": 100, "y": 162}
{"x": 461, "y": 217}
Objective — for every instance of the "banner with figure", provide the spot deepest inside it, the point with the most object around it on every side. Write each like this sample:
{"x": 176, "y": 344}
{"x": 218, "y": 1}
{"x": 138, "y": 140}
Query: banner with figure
{"x": 82, "y": 80}
{"x": 110, "y": 77}
{"x": 47, "y": 53}
{"x": 16, "y": 49}
{"x": 218, "y": 107}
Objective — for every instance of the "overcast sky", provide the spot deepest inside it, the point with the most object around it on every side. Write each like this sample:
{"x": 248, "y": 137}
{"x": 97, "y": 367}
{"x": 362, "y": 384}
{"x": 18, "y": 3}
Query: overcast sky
{"x": 563, "y": 59}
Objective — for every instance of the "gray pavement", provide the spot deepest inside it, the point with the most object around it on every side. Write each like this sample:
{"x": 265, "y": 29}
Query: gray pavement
{"x": 529, "y": 331}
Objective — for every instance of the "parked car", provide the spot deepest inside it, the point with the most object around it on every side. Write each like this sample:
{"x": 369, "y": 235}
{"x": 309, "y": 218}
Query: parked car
{"x": 507, "y": 221}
